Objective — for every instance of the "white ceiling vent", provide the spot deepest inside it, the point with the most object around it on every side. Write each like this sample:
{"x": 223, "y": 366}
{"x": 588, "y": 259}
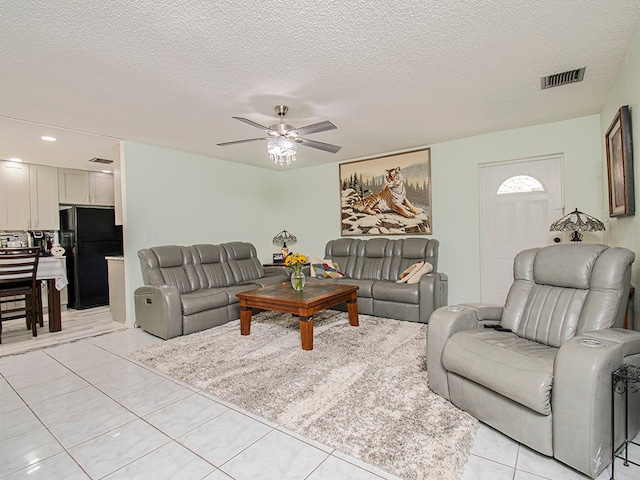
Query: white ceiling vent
{"x": 564, "y": 78}
{"x": 101, "y": 160}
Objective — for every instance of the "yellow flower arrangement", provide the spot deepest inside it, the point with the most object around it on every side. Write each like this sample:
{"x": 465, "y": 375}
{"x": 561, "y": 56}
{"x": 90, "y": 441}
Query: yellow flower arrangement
{"x": 295, "y": 262}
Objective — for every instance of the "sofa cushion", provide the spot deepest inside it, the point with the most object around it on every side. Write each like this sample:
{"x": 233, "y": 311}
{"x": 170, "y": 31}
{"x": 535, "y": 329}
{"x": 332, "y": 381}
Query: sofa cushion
{"x": 211, "y": 267}
{"x": 169, "y": 265}
{"x": 343, "y": 251}
{"x": 243, "y": 261}
{"x": 564, "y": 266}
{"x": 202, "y": 300}
{"x": 374, "y": 259}
{"x": 514, "y": 367}
{"x": 396, "y": 292}
{"x": 270, "y": 279}
{"x": 411, "y": 250}
{"x": 364, "y": 286}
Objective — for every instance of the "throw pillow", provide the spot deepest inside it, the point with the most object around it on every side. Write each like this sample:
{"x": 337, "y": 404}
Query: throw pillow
{"x": 415, "y": 277}
{"x": 404, "y": 276}
{"x": 315, "y": 261}
{"x": 327, "y": 269}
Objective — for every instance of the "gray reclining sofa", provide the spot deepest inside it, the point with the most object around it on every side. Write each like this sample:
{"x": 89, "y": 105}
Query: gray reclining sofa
{"x": 374, "y": 266}
{"x": 193, "y": 288}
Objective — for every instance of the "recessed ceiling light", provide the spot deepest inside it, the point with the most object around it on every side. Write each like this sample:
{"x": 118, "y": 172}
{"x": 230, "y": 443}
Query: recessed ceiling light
{"x": 14, "y": 159}
{"x": 105, "y": 171}
{"x": 47, "y": 138}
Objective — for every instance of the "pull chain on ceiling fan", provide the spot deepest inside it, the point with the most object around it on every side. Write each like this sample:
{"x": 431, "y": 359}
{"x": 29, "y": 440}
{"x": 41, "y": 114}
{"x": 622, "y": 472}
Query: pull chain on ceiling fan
{"x": 283, "y": 139}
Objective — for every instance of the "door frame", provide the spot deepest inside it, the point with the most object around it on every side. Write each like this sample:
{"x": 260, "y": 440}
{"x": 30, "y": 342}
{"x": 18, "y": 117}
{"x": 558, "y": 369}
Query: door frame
{"x": 536, "y": 158}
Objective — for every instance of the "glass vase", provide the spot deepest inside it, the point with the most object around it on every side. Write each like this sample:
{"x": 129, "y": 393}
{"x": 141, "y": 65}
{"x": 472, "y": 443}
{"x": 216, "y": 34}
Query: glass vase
{"x": 297, "y": 281}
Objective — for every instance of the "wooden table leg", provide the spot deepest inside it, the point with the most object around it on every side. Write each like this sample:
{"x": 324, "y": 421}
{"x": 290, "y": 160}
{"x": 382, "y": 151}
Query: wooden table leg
{"x": 245, "y": 320}
{"x": 306, "y": 332}
{"x": 352, "y": 308}
{"x": 55, "y": 314}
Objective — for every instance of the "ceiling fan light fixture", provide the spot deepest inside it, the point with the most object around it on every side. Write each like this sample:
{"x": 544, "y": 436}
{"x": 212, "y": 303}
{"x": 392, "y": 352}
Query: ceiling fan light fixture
{"x": 283, "y": 139}
{"x": 282, "y": 149}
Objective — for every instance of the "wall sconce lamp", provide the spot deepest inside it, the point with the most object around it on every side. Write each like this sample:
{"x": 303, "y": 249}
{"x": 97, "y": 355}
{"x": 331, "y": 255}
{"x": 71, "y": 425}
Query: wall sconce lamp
{"x": 577, "y": 222}
{"x": 282, "y": 238}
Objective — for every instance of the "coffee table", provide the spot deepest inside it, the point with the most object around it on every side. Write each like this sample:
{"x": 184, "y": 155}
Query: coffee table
{"x": 283, "y": 298}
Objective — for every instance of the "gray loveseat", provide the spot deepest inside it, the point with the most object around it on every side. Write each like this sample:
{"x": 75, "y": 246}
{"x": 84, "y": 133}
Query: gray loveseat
{"x": 193, "y": 288}
{"x": 544, "y": 377}
{"x": 374, "y": 266}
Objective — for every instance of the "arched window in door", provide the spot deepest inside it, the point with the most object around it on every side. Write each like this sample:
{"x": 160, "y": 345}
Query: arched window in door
{"x": 520, "y": 184}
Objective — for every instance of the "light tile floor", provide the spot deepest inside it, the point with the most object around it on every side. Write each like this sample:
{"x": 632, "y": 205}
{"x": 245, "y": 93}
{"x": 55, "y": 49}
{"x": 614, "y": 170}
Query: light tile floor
{"x": 87, "y": 411}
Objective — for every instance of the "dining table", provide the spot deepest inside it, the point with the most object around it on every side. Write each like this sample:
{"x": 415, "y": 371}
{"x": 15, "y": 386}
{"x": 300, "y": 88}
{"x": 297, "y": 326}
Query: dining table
{"x": 51, "y": 270}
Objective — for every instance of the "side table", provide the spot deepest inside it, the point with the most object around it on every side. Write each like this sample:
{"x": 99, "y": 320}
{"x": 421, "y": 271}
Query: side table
{"x": 624, "y": 380}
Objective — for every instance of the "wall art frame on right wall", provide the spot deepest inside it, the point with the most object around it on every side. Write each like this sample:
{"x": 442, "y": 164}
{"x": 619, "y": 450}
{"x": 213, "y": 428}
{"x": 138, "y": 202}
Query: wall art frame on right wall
{"x": 619, "y": 148}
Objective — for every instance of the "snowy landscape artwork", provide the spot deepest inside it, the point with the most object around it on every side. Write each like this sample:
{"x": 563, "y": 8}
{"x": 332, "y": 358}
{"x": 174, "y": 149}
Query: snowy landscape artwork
{"x": 389, "y": 195}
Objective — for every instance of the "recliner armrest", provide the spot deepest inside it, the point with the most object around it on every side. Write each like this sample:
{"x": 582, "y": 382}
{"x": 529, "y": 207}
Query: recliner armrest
{"x": 159, "y": 310}
{"x": 485, "y": 311}
{"x": 581, "y": 396}
{"x": 629, "y": 339}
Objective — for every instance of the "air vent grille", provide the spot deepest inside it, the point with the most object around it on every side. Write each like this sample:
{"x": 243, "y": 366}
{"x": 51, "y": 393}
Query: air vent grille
{"x": 563, "y": 78}
{"x": 101, "y": 160}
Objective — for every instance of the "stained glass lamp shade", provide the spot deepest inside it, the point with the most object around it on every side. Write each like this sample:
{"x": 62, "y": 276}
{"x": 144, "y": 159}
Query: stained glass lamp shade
{"x": 282, "y": 238}
{"x": 577, "y": 222}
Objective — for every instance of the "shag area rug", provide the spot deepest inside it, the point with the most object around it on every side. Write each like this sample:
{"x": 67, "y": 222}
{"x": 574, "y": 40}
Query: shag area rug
{"x": 362, "y": 390}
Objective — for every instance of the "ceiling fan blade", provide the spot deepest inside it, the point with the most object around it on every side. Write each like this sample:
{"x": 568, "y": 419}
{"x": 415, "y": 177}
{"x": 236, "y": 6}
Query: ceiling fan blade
{"x": 315, "y": 128}
{"x": 224, "y": 144}
{"x": 252, "y": 123}
{"x": 327, "y": 147}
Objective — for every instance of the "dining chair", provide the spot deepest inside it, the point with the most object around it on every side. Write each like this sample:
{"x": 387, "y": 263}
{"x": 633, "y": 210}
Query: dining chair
{"x": 18, "y": 283}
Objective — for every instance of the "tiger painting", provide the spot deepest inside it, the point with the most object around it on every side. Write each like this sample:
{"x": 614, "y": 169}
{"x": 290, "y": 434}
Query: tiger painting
{"x": 392, "y": 198}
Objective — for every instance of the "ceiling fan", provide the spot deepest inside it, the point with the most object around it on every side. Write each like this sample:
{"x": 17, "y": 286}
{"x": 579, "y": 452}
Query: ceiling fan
{"x": 283, "y": 139}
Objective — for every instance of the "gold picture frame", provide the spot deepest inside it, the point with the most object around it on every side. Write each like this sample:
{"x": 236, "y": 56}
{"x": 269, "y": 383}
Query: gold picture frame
{"x": 387, "y": 195}
{"x": 619, "y": 148}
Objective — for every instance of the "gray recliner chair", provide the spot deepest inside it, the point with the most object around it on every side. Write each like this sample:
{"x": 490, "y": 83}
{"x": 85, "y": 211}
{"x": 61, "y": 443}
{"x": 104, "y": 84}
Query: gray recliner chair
{"x": 543, "y": 377}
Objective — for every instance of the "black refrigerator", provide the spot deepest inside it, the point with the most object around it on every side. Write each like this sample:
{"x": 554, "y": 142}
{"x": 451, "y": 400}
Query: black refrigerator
{"x": 88, "y": 235}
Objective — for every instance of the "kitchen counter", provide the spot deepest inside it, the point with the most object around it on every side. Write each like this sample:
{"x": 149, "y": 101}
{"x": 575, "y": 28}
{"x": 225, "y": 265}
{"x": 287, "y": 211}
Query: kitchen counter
{"x": 115, "y": 267}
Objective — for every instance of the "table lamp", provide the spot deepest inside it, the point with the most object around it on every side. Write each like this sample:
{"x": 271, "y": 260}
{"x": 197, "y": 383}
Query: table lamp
{"x": 282, "y": 238}
{"x": 577, "y": 222}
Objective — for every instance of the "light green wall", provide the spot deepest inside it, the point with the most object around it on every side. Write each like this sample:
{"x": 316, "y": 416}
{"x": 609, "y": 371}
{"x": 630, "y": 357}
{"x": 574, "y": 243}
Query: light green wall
{"x": 191, "y": 199}
{"x": 456, "y": 187}
{"x": 625, "y": 231}
{"x": 455, "y": 173}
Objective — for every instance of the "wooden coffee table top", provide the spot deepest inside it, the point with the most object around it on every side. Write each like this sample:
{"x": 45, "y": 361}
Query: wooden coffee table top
{"x": 315, "y": 294}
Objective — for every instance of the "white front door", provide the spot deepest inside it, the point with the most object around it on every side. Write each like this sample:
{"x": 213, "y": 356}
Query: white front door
{"x": 519, "y": 201}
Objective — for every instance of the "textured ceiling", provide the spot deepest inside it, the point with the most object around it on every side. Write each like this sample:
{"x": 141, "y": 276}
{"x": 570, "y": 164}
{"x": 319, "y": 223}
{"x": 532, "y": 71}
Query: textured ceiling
{"x": 390, "y": 75}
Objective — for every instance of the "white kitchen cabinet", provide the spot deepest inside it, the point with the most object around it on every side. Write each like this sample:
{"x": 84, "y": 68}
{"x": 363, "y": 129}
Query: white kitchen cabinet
{"x": 15, "y": 212}
{"x": 43, "y": 191}
{"x": 83, "y": 187}
{"x": 29, "y": 195}
{"x": 101, "y": 188}
{"x": 73, "y": 186}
